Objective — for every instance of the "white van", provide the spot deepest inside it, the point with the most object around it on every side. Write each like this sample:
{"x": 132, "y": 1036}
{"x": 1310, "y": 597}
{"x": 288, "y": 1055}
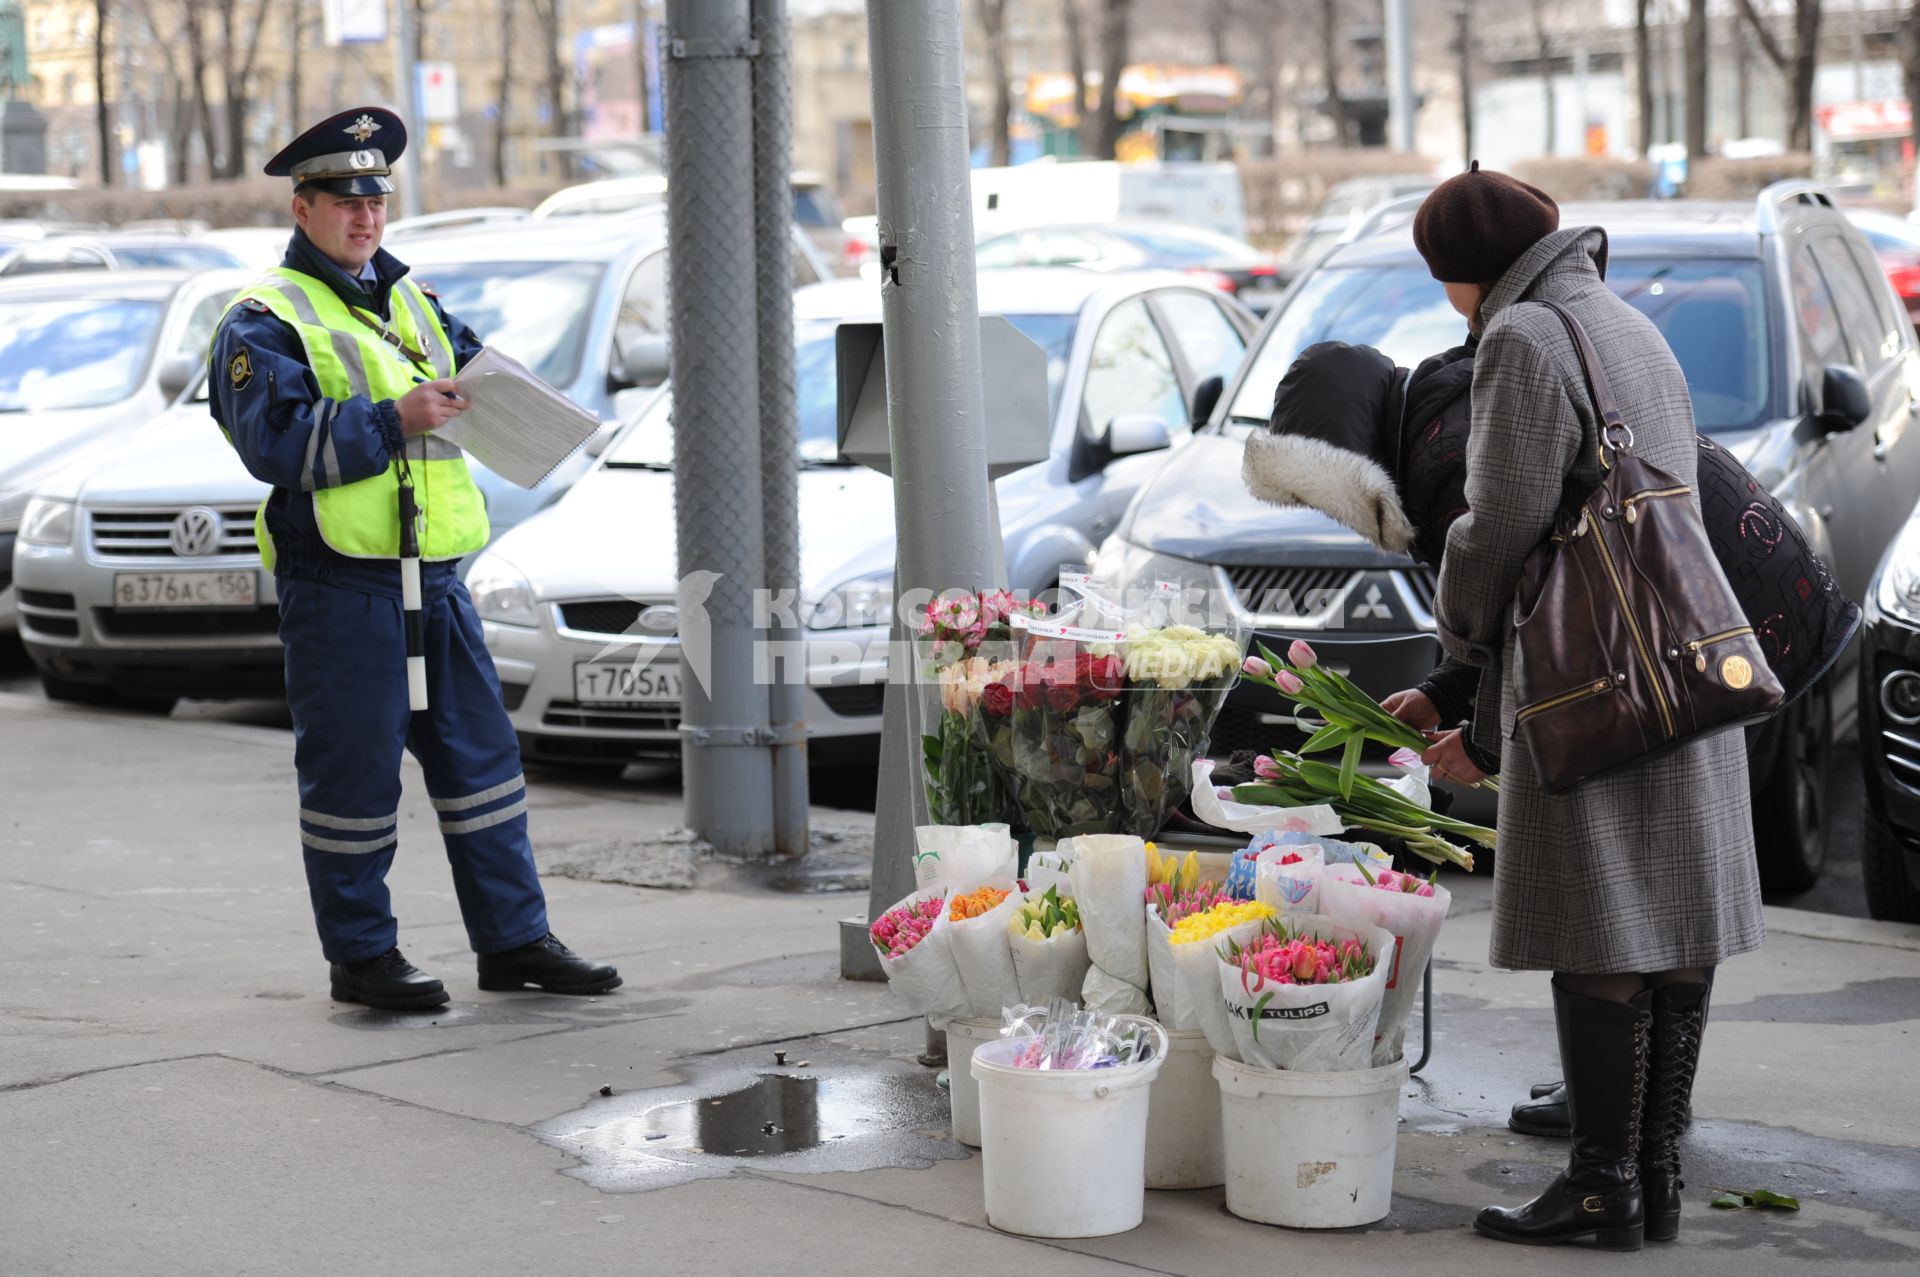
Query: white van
{"x": 1047, "y": 191}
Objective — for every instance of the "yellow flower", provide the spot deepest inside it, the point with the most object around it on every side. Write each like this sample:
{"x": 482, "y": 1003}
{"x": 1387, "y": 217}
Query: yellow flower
{"x": 1204, "y": 926}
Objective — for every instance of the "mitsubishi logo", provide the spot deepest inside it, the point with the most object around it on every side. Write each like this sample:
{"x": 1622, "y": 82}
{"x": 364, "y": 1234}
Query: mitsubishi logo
{"x": 1372, "y": 608}
{"x": 195, "y": 533}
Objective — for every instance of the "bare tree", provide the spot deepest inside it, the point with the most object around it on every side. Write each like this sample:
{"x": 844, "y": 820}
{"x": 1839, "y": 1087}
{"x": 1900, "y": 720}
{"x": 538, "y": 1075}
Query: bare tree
{"x": 503, "y": 94}
{"x": 1115, "y": 31}
{"x": 238, "y": 53}
{"x": 549, "y": 13}
{"x": 1463, "y": 49}
{"x": 1910, "y": 65}
{"x": 1742, "y": 77}
{"x": 197, "y": 78}
{"x": 993, "y": 25}
{"x": 1330, "y": 69}
{"x": 1546, "y": 72}
{"x": 1697, "y": 94}
{"x": 165, "y": 27}
{"x": 1796, "y": 66}
{"x": 1077, "y": 64}
{"x": 640, "y": 64}
{"x": 1643, "y": 72}
{"x": 1222, "y": 15}
{"x": 102, "y": 112}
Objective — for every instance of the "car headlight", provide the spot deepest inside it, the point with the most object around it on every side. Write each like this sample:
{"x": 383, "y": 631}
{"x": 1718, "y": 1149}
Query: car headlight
{"x": 855, "y": 605}
{"x": 1899, "y": 592}
{"x": 1133, "y": 574}
{"x": 502, "y": 593}
{"x": 47, "y": 522}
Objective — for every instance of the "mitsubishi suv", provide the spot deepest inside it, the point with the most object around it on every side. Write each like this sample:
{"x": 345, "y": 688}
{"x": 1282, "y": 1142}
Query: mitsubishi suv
{"x": 1800, "y": 358}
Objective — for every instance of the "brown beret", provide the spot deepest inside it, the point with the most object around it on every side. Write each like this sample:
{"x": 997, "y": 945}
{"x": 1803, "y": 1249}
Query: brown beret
{"x": 1472, "y": 227}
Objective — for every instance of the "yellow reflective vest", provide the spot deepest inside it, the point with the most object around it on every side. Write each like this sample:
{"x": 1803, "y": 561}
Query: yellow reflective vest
{"x": 350, "y": 357}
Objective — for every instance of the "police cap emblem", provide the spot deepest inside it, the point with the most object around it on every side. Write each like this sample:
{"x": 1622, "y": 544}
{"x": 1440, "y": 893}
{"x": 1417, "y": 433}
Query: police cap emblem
{"x": 362, "y": 129}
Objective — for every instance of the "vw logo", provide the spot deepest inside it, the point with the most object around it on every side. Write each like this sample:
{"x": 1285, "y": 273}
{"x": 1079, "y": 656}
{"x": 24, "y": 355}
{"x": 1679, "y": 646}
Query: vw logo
{"x": 195, "y": 533}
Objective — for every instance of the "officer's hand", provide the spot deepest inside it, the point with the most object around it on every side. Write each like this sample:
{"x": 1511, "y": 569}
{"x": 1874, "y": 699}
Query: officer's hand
{"x": 428, "y": 406}
{"x": 1414, "y": 708}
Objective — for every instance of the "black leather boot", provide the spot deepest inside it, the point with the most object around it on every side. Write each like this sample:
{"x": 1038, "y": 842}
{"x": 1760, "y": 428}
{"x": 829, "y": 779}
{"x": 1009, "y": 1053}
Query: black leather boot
{"x": 1679, "y": 1019}
{"x": 388, "y": 982}
{"x": 1603, "y": 1049}
{"x": 1546, "y": 1113}
{"x": 545, "y": 964}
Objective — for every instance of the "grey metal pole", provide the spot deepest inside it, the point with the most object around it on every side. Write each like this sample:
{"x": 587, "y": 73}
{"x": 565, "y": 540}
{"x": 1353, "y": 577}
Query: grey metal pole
{"x": 779, "y": 428}
{"x": 931, "y": 310}
{"x": 1400, "y": 101}
{"x": 726, "y": 768}
{"x": 408, "y": 105}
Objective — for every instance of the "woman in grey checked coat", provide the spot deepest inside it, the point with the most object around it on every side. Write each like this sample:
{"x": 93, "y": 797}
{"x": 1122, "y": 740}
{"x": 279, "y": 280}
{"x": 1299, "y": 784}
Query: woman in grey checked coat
{"x": 1632, "y": 887}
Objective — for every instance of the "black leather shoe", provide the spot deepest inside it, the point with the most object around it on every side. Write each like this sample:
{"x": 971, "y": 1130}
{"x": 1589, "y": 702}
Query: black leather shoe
{"x": 388, "y": 982}
{"x": 1679, "y": 1018}
{"x": 1604, "y": 1049}
{"x": 545, "y": 964}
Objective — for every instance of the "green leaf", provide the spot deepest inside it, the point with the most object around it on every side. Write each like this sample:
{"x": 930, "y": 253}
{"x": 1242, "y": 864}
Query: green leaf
{"x": 1258, "y": 1007}
{"x": 1745, "y": 1199}
{"x": 1332, "y": 736}
{"x": 1350, "y": 765}
{"x": 1730, "y": 1201}
{"x": 1767, "y": 1197}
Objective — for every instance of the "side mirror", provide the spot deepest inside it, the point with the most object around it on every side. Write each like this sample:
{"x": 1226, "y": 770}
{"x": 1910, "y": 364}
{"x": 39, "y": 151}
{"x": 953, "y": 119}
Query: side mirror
{"x": 1844, "y": 401}
{"x": 1206, "y": 396}
{"x": 178, "y": 373}
{"x": 644, "y": 361}
{"x": 1132, "y": 433}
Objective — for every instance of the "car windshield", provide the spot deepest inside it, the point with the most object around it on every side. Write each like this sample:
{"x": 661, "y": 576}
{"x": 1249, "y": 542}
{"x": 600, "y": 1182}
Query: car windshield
{"x": 174, "y": 256}
{"x": 1713, "y": 313}
{"x": 73, "y": 353}
{"x": 536, "y": 312}
{"x": 648, "y": 444}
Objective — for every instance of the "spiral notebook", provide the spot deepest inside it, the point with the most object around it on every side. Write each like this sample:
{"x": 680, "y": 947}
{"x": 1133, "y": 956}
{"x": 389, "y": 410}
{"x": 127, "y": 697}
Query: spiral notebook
{"x": 515, "y": 425}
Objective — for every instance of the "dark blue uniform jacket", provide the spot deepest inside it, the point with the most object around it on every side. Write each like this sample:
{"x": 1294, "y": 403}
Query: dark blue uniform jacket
{"x": 270, "y": 404}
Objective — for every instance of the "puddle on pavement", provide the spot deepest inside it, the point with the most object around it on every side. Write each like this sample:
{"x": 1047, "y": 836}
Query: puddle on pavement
{"x": 848, "y": 1110}
{"x": 820, "y": 883}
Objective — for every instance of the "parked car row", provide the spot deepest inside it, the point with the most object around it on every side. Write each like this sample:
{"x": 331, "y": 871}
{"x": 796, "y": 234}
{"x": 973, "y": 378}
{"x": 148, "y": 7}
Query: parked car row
{"x": 137, "y": 576}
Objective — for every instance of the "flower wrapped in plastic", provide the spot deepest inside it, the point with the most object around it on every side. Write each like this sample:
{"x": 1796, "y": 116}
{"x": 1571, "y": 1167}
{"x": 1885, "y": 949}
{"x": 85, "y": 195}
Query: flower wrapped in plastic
{"x": 1049, "y": 947}
{"x": 1178, "y": 677}
{"x": 1184, "y": 927}
{"x": 964, "y": 644}
{"x": 1410, "y": 908}
{"x": 1052, "y": 725}
{"x": 915, "y": 942}
{"x": 1305, "y": 994}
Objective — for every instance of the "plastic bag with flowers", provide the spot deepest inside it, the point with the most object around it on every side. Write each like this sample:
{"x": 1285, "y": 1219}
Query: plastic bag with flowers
{"x": 1052, "y": 725}
{"x": 1305, "y": 993}
{"x": 964, "y": 643}
{"x": 1049, "y": 947}
{"x": 1410, "y": 908}
{"x": 978, "y": 919}
{"x": 1108, "y": 874}
{"x": 1288, "y": 878}
{"x": 1183, "y": 930}
{"x": 915, "y": 941}
{"x": 1178, "y": 677}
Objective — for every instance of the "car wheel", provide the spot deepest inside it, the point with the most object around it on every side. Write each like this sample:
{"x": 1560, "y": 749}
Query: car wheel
{"x": 1891, "y": 895}
{"x": 72, "y": 693}
{"x": 1790, "y": 816}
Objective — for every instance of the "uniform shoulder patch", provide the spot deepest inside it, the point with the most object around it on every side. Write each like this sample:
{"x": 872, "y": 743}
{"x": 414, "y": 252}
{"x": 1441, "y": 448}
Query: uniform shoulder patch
{"x": 256, "y": 305}
{"x": 240, "y": 369}
{"x": 429, "y": 290}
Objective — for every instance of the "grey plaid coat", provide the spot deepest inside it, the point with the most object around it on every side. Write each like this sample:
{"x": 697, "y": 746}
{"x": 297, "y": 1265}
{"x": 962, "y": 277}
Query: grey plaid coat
{"x": 1652, "y": 867}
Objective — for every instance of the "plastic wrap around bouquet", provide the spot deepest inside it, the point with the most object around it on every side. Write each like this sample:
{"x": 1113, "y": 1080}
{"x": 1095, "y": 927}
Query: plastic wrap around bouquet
{"x": 1305, "y": 994}
{"x": 915, "y": 941}
{"x": 925, "y": 940}
{"x": 1184, "y": 930}
{"x": 963, "y": 642}
{"x": 1177, "y": 679}
{"x": 1108, "y": 876}
{"x": 1411, "y": 909}
{"x": 1052, "y": 724}
{"x": 1049, "y": 947}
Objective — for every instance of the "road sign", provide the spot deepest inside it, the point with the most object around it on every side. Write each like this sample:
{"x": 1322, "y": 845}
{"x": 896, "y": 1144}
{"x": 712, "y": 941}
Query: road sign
{"x": 437, "y": 89}
{"x": 355, "y": 21}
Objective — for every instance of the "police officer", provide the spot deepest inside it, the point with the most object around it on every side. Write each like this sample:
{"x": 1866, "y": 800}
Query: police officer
{"x": 329, "y": 375}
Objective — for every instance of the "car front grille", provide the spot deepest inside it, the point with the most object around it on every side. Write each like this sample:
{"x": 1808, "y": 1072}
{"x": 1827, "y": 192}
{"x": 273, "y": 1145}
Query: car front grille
{"x": 1903, "y": 753}
{"x": 145, "y": 534}
{"x": 867, "y": 700}
{"x": 1289, "y": 591}
{"x": 211, "y": 624}
{"x": 1424, "y": 584}
{"x": 610, "y": 616}
{"x": 48, "y": 613}
{"x": 612, "y": 717}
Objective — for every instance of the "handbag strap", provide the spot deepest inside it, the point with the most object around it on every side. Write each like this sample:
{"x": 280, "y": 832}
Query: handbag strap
{"x": 1597, "y": 386}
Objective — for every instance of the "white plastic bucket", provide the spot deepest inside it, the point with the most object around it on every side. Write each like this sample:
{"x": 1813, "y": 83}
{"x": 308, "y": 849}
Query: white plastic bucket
{"x": 1183, "y": 1120}
{"x": 1063, "y": 1153}
{"x": 963, "y": 1092}
{"x": 1310, "y": 1150}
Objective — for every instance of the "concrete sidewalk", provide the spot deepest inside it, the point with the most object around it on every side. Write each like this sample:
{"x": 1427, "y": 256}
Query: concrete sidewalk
{"x": 179, "y": 1095}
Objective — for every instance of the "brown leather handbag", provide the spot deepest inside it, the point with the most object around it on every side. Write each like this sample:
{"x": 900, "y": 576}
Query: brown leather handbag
{"x": 1630, "y": 640}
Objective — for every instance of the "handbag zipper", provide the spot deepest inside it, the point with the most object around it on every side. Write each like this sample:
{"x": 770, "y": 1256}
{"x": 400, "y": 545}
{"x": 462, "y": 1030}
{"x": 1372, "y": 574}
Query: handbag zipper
{"x": 1649, "y": 495}
{"x": 1594, "y": 688}
{"x": 1633, "y": 628}
{"x": 1699, "y": 657}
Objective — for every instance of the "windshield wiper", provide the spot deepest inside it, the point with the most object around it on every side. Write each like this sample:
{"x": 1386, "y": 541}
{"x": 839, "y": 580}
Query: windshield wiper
{"x": 641, "y": 465}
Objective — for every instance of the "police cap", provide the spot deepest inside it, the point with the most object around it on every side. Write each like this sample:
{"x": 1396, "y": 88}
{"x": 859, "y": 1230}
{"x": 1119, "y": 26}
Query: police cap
{"x": 350, "y": 154}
